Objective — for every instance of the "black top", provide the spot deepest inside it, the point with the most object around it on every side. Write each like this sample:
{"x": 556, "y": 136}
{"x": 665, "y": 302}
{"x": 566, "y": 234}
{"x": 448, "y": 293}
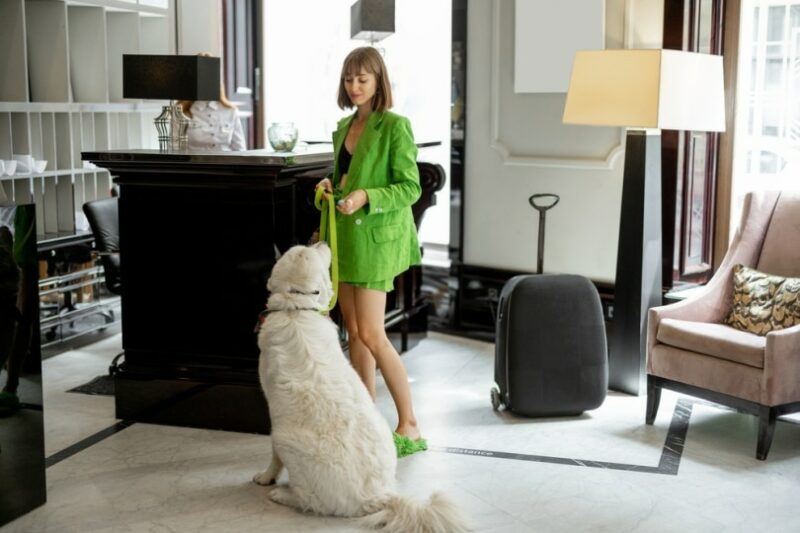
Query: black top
{"x": 344, "y": 160}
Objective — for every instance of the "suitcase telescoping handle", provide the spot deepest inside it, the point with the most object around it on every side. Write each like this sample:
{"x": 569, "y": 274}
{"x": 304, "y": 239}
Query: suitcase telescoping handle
{"x": 542, "y": 202}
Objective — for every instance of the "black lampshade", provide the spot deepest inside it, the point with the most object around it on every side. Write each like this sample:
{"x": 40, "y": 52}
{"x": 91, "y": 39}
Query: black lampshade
{"x": 170, "y": 77}
{"x": 372, "y": 20}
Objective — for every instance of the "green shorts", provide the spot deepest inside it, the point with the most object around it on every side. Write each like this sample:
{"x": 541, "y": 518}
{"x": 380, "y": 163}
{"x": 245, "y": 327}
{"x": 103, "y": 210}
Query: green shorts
{"x": 385, "y": 285}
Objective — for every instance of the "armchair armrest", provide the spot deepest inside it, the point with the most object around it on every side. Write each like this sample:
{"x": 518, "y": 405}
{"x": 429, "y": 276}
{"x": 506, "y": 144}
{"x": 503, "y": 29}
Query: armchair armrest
{"x": 782, "y": 367}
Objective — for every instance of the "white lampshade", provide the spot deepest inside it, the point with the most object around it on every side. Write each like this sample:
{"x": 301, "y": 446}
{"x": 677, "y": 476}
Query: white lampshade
{"x": 663, "y": 89}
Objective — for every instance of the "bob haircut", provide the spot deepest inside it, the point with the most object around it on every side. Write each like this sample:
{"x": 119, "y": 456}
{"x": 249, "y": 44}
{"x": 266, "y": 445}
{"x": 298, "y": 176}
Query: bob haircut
{"x": 369, "y": 60}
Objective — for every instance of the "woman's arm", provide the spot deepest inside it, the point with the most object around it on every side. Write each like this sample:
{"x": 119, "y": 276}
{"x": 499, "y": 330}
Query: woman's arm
{"x": 403, "y": 188}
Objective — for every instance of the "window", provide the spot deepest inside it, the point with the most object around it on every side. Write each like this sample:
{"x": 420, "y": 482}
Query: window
{"x": 689, "y": 159}
{"x": 767, "y": 146}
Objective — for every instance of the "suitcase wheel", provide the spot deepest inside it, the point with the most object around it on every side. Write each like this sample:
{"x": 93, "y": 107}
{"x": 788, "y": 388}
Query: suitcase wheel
{"x": 495, "y": 396}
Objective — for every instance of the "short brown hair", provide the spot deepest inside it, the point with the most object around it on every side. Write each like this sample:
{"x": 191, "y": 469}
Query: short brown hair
{"x": 368, "y": 59}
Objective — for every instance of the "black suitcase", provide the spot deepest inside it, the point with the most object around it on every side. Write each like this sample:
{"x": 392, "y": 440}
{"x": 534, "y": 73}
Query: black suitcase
{"x": 550, "y": 346}
{"x": 550, "y": 349}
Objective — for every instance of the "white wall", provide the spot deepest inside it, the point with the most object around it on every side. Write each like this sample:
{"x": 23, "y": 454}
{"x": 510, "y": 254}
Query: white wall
{"x": 517, "y": 146}
{"x": 305, "y": 43}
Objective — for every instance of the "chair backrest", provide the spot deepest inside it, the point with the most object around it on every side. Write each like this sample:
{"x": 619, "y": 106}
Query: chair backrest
{"x": 431, "y": 179}
{"x": 745, "y": 248}
{"x": 103, "y": 216}
{"x": 780, "y": 252}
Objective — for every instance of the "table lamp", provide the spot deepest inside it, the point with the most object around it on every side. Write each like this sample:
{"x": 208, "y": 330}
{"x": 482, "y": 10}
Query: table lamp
{"x": 644, "y": 91}
{"x": 171, "y": 77}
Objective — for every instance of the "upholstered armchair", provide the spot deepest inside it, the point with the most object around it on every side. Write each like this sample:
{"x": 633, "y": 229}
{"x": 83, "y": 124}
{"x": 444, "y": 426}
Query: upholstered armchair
{"x": 691, "y": 350}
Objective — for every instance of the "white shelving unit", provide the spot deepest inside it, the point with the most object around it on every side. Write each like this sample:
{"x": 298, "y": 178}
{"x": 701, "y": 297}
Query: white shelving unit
{"x": 61, "y": 94}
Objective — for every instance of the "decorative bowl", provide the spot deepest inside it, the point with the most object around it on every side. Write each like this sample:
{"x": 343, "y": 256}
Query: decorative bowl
{"x": 24, "y": 163}
{"x": 11, "y": 166}
{"x": 282, "y": 136}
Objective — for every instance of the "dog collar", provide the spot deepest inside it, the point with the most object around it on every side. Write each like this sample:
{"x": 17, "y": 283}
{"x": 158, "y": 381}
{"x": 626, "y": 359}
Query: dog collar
{"x": 262, "y": 316}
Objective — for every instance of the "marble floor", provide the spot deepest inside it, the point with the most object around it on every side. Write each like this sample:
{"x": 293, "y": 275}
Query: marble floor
{"x": 603, "y": 471}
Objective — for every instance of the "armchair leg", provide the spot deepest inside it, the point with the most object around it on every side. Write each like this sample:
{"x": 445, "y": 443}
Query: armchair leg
{"x": 653, "y": 399}
{"x": 766, "y": 429}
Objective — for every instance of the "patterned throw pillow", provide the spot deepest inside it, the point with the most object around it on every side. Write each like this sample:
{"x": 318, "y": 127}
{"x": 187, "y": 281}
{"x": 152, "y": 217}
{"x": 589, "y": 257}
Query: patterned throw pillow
{"x": 763, "y": 302}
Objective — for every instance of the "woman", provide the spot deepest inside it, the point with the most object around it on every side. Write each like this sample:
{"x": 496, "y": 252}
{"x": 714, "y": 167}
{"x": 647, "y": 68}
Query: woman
{"x": 214, "y": 125}
{"x": 375, "y": 182}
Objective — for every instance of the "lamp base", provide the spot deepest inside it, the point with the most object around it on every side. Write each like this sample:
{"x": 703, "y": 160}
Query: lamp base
{"x": 637, "y": 284}
{"x": 172, "y": 126}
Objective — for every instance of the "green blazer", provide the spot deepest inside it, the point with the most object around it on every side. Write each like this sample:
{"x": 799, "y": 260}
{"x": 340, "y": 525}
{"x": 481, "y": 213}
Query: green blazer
{"x": 379, "y": 241}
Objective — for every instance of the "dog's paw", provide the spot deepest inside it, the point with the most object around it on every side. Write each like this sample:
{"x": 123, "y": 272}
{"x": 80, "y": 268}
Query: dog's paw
{"x": 283, "y": 495}
{"x": 264, "y": 478}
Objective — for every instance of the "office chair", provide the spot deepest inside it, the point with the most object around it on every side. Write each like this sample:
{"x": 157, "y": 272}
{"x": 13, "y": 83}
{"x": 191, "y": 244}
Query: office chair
{"x": 103, "y": 216}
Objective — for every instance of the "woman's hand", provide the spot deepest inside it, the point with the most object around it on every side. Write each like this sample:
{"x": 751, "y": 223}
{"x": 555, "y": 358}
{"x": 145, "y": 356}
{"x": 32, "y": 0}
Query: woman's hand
{"x": 352, "y": 202}
{"x": 326, "y": 185}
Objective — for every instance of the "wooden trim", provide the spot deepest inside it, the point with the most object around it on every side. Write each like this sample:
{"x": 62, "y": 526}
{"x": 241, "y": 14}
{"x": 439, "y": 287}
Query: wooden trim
{"x": 671, "y": 149}
{"x": 730, "y": 52}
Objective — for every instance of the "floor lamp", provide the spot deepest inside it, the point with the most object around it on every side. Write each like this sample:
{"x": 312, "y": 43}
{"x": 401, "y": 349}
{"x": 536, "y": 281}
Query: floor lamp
{"x": 645, "y": 91}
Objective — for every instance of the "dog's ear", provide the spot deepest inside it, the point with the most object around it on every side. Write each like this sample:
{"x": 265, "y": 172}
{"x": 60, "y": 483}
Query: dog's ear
{"x": 324, "y": 252}
{"x": 323, "y": 285}
{"x": 280, "y": 280}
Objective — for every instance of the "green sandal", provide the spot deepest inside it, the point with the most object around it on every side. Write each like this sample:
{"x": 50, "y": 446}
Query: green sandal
{"x": 405, "y": 446}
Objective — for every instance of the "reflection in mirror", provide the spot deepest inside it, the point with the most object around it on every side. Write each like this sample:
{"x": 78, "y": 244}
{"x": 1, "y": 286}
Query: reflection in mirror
{"x": 22, "y": 475}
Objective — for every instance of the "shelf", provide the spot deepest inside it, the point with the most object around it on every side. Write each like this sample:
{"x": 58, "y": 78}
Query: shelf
{"x": 150, "y": 106}
{"x": 145, "y": 7}
{"x": 123, "y": 38}
{"x": 61, "y": 95}
{"x": 20, "y": 139}
{"x": 47, "y": 58}
{"x": 14, "y": 81}
{"x": 5, "y": 136}
{"x": 51, "y": 241}
{"x": 154, "y": 33}
{"x": 49, "y": 138}
{"x": 63, "y": 142}
{"x": 49, "y": 173}
{"x": 37, "y": 150}
{"x": 87, "y": 54}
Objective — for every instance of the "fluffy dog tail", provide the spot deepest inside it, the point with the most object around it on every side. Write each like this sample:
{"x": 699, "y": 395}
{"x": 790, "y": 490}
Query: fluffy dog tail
{"x": 401, "y": 514}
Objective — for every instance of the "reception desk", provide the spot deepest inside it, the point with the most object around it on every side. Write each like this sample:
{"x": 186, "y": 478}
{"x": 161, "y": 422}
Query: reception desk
{"x": 199, "y": 234}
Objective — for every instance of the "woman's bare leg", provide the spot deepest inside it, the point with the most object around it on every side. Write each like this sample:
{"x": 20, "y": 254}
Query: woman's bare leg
{"x": 360, "y": 357}
{"x": 370, "y": 307}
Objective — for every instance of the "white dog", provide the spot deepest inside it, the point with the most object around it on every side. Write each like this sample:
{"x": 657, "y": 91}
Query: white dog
{"x": 337, "y": 448}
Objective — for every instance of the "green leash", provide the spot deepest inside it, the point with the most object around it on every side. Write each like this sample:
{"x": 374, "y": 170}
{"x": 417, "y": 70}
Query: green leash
{"x": 327, "y": 225}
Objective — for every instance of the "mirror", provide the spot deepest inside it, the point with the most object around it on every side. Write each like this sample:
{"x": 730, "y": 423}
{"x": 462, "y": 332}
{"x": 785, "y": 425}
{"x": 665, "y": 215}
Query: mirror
{"x": 22, "y": 465}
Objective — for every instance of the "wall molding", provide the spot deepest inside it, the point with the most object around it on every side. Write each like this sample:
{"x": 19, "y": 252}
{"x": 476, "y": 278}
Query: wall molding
{"x": 537, "y": 160}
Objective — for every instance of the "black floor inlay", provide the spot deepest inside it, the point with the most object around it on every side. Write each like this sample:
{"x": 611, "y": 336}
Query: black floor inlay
{"x": 668, "y": 464}
{"x": 91, "y": 440}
